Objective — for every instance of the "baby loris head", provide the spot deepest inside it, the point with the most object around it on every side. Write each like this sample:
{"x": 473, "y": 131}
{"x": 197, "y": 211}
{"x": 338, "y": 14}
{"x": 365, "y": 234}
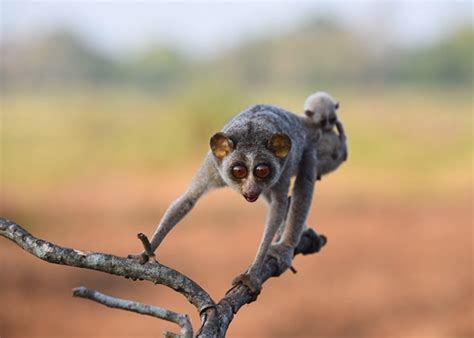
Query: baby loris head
{"x": 321, "y": 108}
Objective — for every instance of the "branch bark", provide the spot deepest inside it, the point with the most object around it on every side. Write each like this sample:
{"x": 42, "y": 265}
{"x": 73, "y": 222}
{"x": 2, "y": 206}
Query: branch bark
{"x": 215, "y": 318}
{"x": 119, "y": 266}
{"x": 145, "y": 309}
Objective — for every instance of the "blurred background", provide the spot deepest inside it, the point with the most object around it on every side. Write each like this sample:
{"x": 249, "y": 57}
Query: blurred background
{"x": 106, "y": 113}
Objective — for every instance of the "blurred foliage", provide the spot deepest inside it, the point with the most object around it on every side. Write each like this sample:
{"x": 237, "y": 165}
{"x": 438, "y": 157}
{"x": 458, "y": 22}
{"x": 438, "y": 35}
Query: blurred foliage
{"x": 320, "y": 52}
{"x": 447, "y": 63}
{"x": 160, "y": 63}
{"x": 54, "y": 60}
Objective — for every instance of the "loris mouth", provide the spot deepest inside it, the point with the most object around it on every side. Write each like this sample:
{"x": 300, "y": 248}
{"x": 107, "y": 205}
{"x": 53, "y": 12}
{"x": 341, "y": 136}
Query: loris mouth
{"x": 250, "y": 197}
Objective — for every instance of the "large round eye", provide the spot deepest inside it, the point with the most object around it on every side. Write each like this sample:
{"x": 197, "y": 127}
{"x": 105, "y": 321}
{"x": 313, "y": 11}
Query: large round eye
{"x": 239, "y": 171}
{"x": 262, "y": 170}
{"x": 332, "y": 120}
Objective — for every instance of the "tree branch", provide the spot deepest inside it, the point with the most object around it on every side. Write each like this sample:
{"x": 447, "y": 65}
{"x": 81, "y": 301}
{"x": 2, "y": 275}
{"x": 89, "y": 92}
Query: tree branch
{"x": 177, "y": 318}
{"x": 120, "y": 266}
{"x": 215, "y": 318}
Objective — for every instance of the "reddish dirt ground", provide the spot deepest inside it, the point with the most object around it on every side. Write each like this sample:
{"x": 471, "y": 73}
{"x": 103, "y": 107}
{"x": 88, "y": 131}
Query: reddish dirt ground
{"x": 393, "y": 267}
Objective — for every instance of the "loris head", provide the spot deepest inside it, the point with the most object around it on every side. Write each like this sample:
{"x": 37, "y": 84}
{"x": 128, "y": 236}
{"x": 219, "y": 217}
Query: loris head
{"x": 321, "y": 108}
{"x": 250, "y": 166}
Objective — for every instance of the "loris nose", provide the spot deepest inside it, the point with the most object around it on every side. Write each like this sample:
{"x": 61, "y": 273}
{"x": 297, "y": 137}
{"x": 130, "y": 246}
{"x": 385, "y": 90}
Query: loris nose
{"x": 251, "y": 191}
{"x": 251, "y": 196}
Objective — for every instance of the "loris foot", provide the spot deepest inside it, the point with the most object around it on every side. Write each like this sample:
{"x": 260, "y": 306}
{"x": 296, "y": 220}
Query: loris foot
{"x": 310, "y": 242}
{"x": 283, "y": 255}
{"x": 251, "y": 282}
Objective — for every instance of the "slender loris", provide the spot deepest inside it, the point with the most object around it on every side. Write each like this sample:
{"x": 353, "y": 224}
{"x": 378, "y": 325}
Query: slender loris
{"x": 321, "y": 111}
{"x": 256, "y": 154}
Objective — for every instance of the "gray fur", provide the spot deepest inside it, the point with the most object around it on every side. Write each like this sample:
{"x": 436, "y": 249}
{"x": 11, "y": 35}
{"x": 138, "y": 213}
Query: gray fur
{"x": 249, "y": 133}
{"x": 331, "y": 152}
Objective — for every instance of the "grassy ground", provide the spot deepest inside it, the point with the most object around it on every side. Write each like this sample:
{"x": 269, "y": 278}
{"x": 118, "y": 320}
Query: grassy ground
{"x": 416, "y": 133}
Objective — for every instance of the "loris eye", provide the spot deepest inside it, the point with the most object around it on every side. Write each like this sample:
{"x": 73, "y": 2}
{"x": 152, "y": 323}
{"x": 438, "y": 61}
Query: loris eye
{"x": 332, "y": 120}
{"x": 262, "y": 170}
{"x": 239, "y": 171}
{"x": 323, "y": 121}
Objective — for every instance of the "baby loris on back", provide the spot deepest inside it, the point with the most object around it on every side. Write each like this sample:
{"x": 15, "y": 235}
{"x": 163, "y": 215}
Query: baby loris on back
{"x": 320, "y": 109}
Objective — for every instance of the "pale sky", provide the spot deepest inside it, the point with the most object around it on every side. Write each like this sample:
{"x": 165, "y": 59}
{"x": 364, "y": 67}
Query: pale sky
{"x": 204, "y": 28}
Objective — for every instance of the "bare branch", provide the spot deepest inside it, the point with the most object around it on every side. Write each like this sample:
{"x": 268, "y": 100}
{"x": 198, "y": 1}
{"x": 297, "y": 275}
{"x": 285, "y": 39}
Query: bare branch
{"x": 120, "y": 266}
{"x": 177, "y": 318}
{"x": 215, "y": 319}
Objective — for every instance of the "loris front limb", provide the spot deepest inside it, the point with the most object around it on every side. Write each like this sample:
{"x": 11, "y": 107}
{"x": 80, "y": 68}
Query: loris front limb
{"x": 206, "y": 179}
{"x": 300, "y": 204}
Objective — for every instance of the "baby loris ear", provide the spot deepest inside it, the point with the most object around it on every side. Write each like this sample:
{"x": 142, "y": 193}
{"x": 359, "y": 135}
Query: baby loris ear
{"x": 280, "y": 145}
{"x": 221, "y": 145}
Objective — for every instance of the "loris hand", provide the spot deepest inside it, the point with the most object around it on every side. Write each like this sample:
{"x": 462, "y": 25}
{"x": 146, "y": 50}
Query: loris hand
{"x": 283, "y": 255}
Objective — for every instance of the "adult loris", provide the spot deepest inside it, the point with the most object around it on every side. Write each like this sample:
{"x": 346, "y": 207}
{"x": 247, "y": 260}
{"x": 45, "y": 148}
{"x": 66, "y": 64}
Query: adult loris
{"x": 321, "y": 111}
{"x": 256, "y": 153}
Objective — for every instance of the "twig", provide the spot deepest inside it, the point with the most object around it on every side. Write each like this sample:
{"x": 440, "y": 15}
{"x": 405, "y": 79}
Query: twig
{"x": 181, "y": 319}
{"x": 147, "y": 254}
{"x": 146, "y": 244}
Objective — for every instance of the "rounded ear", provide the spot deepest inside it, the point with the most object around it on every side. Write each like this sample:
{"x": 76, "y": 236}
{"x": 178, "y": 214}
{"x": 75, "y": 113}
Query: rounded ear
{"x": 280, "y": 145}
{"x": 336, "y": 106}
{"x": 309, "y": 113}
{"x": 221, "y": 145}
